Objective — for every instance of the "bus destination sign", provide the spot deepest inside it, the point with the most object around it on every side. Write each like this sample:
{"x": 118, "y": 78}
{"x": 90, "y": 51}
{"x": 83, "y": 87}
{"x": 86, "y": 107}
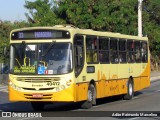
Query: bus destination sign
{"x": 40, "y": 34}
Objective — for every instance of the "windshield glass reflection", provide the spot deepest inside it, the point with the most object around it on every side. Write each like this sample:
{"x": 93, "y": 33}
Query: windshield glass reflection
{"x": 49, "y": 58}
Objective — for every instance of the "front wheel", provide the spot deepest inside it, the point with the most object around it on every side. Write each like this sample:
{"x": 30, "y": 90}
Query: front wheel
{"x": 91, "y": 97}
{"x": 38, "y": 106}
{"x": 130, "y": 91}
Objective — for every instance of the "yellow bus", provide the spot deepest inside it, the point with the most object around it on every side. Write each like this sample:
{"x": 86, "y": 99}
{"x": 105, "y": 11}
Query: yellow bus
{"x": 67, "y": 64}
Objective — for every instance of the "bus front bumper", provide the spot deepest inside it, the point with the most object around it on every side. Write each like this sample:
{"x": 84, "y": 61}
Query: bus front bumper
{"x": 66, "y": 95}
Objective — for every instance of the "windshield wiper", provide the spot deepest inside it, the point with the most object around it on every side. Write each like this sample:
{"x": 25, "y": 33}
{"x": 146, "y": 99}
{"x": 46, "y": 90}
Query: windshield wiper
{"x": 49, "y": 48}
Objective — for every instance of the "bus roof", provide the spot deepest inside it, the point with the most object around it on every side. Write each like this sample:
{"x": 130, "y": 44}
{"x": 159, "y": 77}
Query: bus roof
{"x": 76, "y": 30}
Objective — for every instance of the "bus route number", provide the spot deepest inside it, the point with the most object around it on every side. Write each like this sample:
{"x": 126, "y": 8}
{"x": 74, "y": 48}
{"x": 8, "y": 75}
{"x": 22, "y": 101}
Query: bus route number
{"x": 53, "y": 83}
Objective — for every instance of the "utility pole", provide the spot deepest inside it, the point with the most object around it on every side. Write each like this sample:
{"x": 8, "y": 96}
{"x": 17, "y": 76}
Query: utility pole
{"x": 140, "y": 18}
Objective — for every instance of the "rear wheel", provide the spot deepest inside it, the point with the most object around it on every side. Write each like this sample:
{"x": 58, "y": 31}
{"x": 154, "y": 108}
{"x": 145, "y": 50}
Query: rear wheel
{"x": 91, "y": 97}
{"x": 130, "y": 91}
{"x": 38, "y": 106}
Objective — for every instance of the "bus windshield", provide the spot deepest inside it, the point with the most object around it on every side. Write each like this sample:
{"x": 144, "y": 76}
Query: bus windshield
{"x": 47, "y": 58}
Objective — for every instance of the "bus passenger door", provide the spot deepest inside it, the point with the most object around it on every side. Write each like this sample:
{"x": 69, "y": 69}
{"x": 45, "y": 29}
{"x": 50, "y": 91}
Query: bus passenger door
{"x": 78, "y": 56}
{"x": 80, "y": 73}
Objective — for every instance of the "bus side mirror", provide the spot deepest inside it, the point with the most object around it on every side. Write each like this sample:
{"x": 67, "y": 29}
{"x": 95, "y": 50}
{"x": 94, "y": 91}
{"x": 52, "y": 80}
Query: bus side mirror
{"x": 6, "y": 52}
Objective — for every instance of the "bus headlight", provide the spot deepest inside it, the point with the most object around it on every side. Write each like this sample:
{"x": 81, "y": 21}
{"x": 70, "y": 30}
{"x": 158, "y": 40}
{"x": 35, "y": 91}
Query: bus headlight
{"x": 68, "y": 82}
{"x": 14, "y": 86}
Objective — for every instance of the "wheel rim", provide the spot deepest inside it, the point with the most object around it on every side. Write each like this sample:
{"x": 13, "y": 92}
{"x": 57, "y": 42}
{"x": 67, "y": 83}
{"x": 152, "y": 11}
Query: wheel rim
{"x": 130, "y": 89}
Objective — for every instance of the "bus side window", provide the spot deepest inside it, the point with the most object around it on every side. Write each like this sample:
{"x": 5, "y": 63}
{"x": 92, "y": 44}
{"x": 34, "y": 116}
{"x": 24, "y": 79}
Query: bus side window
{"x": 114, "y": 50}
{"x": 91, "y": 49}
{"x": 144, "y": 51}
{"x": 103, "y": 50}
{"x": 131, "y": 51}
{"x": 122, "y": 51}
{"x": 137, "y": 52}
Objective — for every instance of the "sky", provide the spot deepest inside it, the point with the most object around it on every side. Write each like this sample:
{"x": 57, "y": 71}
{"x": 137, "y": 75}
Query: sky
{"x": 13, "y": 10}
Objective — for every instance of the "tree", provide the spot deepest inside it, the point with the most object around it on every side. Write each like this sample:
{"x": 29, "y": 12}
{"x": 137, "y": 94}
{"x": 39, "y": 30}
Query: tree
{"x": 5, "y": 29}
{"x": 151, "y": 20}
{"x": 105, "y": 15}
{"x": 42, "y": 13}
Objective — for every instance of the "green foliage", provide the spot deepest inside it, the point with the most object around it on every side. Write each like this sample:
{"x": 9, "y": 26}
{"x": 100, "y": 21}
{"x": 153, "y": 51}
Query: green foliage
{"x": 151, "y": 24}
{"x": 5, "y": 29}
{"x": 42, "y": 13}
{"x": 105, "y": 15}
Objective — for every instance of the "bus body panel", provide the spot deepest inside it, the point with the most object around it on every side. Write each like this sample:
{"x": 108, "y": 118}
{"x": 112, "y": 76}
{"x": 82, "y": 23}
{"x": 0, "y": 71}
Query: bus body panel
{"x": 114, "y": 85}
{"x": 67, "y": 95}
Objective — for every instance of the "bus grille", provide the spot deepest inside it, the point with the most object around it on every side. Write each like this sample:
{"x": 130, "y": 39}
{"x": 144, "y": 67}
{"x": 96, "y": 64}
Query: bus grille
{"x": 38, "y": 80}
{"x": 39, "y": 88}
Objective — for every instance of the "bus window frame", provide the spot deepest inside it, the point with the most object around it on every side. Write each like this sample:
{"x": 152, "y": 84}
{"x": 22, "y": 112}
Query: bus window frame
{"x": 131, "y": 51}
{"x": 37, "y": 58}
{"x": 117, "y": 44}
{"x": 96, "y": 50}
{"x": 102, "y": 50}
{"x": 121, "y": 51}
{"x": 146, "y": 61}
{"x": 139, "y": 52}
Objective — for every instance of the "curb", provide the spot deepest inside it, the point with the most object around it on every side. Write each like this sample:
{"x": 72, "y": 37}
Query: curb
{"x": 152, "y": 79}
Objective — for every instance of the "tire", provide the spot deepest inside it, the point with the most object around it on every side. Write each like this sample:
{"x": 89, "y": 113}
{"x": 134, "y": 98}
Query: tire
{"x": 91, "y": 98}
{"x": 38, "y": 106}
{"x": 130, "y": 91}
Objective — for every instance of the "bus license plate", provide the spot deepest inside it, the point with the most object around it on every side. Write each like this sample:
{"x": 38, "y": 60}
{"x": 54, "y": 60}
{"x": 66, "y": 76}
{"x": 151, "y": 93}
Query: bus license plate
{"x": 37, "y": 95}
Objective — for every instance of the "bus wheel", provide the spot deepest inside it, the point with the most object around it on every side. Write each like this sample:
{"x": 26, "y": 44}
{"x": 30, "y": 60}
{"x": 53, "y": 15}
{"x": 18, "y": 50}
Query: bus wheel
{"x": 91, "y": 97}
{"x": 130, "y": 91}
{"x": 38, "y": 106}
